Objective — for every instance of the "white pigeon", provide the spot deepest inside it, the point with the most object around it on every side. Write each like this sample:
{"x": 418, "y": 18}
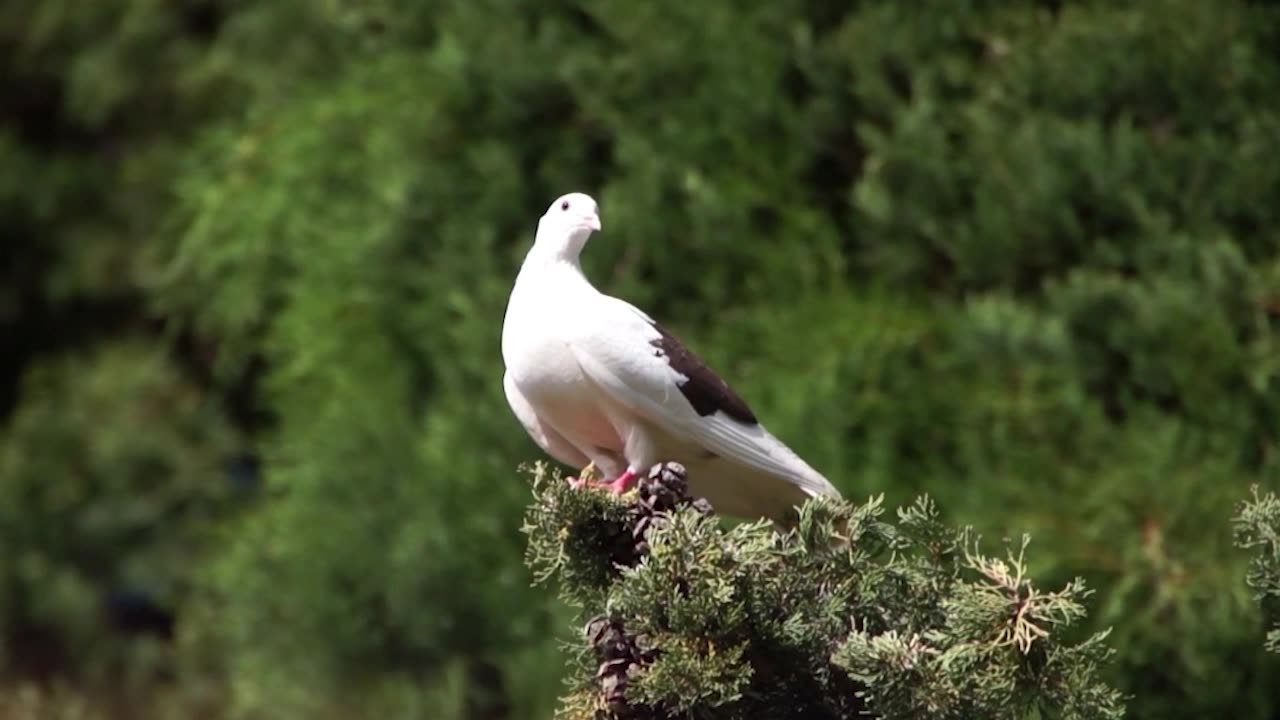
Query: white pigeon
{"x": 596, "y": 381}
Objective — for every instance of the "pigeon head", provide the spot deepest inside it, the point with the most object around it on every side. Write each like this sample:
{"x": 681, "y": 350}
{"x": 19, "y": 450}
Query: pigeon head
{"x": 567, "y": 223}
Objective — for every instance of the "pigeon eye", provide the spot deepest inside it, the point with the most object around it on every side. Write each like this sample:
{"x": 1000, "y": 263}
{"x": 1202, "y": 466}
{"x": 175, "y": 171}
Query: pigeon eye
{"x": 564, "y": 205}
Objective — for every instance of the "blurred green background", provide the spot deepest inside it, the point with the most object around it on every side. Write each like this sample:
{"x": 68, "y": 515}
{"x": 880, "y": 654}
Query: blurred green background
{"x": 255, "y": 459}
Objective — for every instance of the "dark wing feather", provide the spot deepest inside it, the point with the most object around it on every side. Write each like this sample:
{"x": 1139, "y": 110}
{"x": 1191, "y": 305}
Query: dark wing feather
{"x": 703, "y": 388}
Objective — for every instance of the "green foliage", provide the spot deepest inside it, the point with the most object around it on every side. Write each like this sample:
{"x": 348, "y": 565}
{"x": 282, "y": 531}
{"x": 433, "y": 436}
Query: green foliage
{"x": 1257, "y": 525}
{"x": 845, "y": 615}
{"x": 1024, "y": 258}
{"x": 94, "y": 513}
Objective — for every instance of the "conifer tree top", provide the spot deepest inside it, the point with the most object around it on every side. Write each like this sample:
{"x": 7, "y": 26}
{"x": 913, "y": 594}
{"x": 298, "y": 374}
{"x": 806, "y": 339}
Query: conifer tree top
{"x": 847, "y": 614}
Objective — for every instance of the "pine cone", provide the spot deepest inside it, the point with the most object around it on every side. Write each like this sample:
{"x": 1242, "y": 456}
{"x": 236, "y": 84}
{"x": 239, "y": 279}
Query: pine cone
{"x": 662, "y": 492}
{"x": 666, "y": 487}
{"x": 622, "y": 657}
{"x": 665, "y": 490}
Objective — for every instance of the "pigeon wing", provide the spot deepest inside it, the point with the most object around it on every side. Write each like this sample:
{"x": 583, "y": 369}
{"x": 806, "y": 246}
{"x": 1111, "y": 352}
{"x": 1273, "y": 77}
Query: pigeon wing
{"x": 646, "y": 369}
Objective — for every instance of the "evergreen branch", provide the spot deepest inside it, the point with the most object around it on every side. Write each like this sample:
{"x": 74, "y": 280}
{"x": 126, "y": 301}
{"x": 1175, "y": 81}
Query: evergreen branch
{"x": 1009, "y": 593}
{"x": 1257, "y": 527}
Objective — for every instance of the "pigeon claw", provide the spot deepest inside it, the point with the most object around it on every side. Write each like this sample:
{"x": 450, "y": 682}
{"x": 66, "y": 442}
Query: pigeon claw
{"x": 622, "y": 483}
{"x": 590, "y": 478}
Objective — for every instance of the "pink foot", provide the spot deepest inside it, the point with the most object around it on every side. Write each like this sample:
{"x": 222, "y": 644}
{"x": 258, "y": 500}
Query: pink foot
{"x": 622, "y": 483}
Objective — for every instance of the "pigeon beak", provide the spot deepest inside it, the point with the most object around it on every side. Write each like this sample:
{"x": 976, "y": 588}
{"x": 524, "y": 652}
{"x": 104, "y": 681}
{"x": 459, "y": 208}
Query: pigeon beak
{"x": 593, "y": 222}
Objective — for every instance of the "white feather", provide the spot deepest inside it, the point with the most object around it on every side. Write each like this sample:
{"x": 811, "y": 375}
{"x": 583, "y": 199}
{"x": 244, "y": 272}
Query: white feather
{"x": 546, "y": 438}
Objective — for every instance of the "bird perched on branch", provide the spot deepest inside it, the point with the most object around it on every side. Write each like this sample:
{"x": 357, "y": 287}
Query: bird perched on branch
{"x": 598, "y": 383}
